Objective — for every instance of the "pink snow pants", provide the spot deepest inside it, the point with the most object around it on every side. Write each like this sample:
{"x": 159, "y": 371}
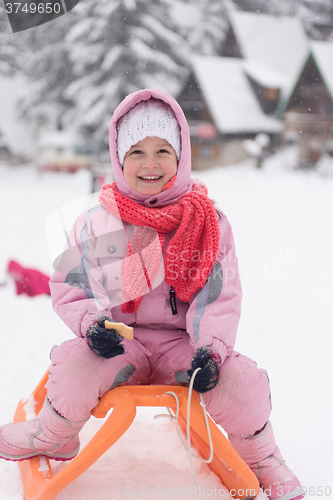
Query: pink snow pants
{"x": 240, "y": 402}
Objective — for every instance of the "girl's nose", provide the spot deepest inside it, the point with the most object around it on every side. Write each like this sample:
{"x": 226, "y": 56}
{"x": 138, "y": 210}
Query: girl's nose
{"x": 150, "y": 162}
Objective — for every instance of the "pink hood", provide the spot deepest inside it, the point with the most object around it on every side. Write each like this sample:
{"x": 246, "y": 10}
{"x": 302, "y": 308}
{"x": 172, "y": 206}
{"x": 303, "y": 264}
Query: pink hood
{"x": 183, "y": 183}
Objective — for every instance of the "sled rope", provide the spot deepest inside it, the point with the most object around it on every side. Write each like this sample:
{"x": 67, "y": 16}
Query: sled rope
{"x": 175, "y": 419}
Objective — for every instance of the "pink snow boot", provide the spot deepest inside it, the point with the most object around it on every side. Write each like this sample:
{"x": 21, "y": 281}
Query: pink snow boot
{"x": 264, "y": 459}
{"x": 50, "y": 435}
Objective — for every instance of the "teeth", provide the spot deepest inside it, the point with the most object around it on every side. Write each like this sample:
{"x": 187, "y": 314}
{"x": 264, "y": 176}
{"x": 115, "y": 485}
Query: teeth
{"x": 150, "y": 177}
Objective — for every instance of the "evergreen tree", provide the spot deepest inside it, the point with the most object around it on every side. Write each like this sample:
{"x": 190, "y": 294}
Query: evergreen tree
{"x": 117, "y": 47}
{"x": 301, "y": 8}
{"x": 11, "y": 46}
{"x": 276, "y": 7}
{"x": 311, "y": 12}
{"x": 206, "y": 36}
{"x": 48, "y": 70}
{"x": 316, "y": 13}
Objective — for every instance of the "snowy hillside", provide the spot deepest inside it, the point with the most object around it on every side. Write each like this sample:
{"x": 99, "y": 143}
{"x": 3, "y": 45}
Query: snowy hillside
{"x": 282, "y": 222}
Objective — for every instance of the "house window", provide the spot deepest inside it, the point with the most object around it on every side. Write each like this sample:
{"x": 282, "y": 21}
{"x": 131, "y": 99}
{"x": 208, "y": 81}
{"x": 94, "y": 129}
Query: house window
{"x": 271, "y": 94}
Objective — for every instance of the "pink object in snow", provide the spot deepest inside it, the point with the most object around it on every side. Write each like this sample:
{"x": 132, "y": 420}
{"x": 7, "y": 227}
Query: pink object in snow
{"x": 28, "y": 281}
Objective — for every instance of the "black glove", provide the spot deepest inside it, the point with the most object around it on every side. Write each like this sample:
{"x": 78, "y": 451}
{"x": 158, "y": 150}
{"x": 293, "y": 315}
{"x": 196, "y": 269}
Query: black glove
{"x": 209, "y": 362}
{"x": 104, "y": 341}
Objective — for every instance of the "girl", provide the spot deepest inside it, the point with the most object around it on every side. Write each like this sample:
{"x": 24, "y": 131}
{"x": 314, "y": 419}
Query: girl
{"x": 156, "y": 255}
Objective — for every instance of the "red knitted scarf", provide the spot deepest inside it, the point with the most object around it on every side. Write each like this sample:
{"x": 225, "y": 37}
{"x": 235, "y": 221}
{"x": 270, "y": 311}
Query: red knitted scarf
{"x": 191, "y": 252}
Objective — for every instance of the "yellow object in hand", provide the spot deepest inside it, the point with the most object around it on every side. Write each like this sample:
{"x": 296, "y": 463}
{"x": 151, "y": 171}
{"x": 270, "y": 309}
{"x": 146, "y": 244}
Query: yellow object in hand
{"x": 123, "y": 330}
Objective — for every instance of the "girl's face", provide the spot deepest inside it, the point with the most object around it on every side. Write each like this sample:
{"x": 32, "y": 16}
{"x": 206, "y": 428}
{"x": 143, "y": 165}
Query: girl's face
{"x": 149, "y": 165}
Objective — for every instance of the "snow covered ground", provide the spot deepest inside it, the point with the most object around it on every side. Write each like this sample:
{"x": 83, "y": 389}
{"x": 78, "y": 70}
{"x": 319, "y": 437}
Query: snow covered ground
{"x": 282, "y": 222}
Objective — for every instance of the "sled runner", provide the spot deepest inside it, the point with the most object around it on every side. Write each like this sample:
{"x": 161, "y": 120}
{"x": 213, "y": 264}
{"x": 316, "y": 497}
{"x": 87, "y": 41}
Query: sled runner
{"x": 40, "y": 484}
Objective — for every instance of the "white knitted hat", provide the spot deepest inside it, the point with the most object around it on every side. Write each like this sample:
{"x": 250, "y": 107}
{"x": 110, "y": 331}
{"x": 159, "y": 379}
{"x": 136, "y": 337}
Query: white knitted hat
{"x": 152, "y": 118}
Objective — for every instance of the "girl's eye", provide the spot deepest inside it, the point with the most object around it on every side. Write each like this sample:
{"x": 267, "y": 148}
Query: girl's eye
{"x": 136, "y": 152}
{"x": 163, "y": 151}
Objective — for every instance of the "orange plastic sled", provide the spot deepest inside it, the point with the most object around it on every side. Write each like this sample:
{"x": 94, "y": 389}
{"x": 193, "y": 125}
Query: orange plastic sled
{"x": 40, "y": 484}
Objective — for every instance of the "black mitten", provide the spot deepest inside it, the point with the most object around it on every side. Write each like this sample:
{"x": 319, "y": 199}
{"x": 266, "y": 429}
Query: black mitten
{"x": 104, "y": 341}
{"x": 209, "y": 362}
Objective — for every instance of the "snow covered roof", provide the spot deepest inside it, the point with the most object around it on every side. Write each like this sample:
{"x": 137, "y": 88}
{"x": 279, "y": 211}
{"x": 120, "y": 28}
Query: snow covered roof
{"x": 264, "y": 75}
{"x": 323, "y": 56}
{"x": 277, "y": 42}
{"x": 322, "y": 53}
{"x": 230, "y": 97}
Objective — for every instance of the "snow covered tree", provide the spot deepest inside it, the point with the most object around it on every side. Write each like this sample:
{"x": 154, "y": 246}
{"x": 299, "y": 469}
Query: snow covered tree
{"x": 301, "y": 8}
{"x": 276, "y": 7}
{"x": 48, "y": 72}
{"x": 11, "y": 46}
{"x": 204, "y": 24}
{"x": 81, "y": 65}
{"x": 316, "y": 15}
{"x": 117, "y": 47}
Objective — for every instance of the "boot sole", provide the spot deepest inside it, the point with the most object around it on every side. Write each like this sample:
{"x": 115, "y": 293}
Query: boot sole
{"x": 61, "y": 457}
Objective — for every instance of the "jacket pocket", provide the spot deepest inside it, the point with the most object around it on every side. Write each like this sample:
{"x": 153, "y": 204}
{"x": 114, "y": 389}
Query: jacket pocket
{"x": 109, "y": 252}
{"x": 111, "y": 246}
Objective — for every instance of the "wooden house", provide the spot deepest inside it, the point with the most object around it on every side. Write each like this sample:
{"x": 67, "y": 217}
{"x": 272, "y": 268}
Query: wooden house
{"x": 274, "y": 48}
{"x": 307, "y": 112}
{"x": 235, "y": 96}
{"x": 222, "y": 111}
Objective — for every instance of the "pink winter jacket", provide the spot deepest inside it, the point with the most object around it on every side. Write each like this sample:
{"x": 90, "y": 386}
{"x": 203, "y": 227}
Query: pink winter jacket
{"x": 87, "y": 279}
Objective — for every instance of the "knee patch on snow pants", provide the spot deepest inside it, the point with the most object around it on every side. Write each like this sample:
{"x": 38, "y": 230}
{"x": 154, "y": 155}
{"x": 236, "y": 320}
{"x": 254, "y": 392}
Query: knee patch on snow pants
{"x": 240, "y": 402}
{"x": 79, "y": 378}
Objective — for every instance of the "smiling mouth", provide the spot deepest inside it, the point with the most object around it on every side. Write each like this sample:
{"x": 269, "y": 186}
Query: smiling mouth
{"x": 150, "y": 178}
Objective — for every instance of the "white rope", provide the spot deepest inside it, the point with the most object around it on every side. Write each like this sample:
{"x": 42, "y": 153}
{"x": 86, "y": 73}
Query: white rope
{"x": 188, "y": 427}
